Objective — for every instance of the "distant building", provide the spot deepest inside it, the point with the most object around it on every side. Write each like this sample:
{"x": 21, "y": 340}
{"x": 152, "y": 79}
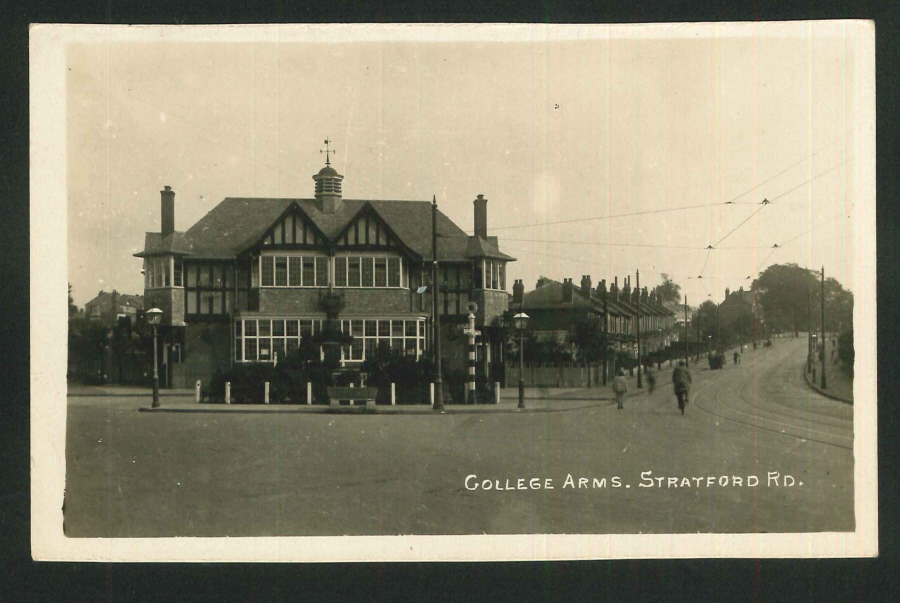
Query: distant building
{"x": 255, "y": 276}
{"x": 554, "y": 307}
{"x": 108, "y": 308}
{"x": 741, "y": 309}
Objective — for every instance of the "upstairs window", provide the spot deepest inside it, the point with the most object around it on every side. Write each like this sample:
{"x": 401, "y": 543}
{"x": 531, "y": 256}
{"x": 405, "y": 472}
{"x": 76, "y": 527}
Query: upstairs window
{"x": 369, "y": 271}
{"x": 292, "y": 271}
{"x": 491, "y": 273}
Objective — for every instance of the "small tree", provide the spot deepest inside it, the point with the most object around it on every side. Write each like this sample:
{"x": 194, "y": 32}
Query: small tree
{"x": 846, "y": 353}
{"x": 73, "y": 309}
{"x": 669, "y": 290}
{"x": 587, "y": 336}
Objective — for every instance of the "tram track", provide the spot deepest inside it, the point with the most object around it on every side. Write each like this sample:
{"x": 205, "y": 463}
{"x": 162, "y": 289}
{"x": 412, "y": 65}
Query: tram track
{"x": 757, "y": 421}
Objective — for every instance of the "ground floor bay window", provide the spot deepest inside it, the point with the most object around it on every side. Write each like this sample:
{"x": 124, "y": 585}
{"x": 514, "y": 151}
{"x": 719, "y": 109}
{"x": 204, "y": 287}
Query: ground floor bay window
{"x": 261, "y": 339}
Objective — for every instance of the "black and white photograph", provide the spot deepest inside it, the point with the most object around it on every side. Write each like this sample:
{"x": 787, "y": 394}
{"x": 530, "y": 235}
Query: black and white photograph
{"x": 453, "y": 292}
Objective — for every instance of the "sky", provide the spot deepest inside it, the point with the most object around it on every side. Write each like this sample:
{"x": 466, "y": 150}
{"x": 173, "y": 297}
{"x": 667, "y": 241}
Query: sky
{"x": 600, "y": 154}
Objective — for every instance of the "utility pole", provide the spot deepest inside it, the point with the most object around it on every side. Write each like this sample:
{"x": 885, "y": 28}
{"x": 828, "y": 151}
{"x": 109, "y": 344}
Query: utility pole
{"x": 824, "y": 386}
{"x": 792, "y": 321}
{"x": 809, "y": 333}
{"x": 435, "y": 316}
{"x": 605, "y": 334}
{"x": 719, "y": 327}
{"x": 698, "y": 333}
{"x": 638, "y": 326}
{"x": 687, "y": 360}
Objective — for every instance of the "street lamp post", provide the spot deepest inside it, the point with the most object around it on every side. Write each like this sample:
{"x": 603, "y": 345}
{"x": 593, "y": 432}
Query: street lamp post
{"x": 154, "y": 317}
{"x": 521, "y": 321}
{"x": 824, "y": 386}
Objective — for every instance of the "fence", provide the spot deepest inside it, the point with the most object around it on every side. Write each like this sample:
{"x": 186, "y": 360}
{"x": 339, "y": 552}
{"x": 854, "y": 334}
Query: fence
{"x": 556, "y": 374}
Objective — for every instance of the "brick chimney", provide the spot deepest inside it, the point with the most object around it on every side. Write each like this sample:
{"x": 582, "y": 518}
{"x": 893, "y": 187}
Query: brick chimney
{"x": 727, "y": 292}
{"x": 601, "y": 288}
{"x": 645, "y": 296}
{"x": 586, "y": 285}
{"x": 480, "y": 216}
{"x": 518, "y": 295}
{"x": 567, "y": 290}
{"x": 614, "y": 290}
{"x": 626, "y": 290}
{"x": 167, "y": 204}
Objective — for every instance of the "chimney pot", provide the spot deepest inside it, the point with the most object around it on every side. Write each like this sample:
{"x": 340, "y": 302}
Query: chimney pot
{"x": 480, "y": 216}
{"x": 167, "y": 210}
{"x": 586, "y": 284}
{"x": 518, "y": 292}
{"x": 567, "y": 290}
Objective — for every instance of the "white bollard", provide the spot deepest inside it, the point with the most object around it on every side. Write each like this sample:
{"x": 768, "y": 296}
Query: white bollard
{"x": 197, "y": 391}
{"x": 497, "y": 393}
{"x": 393, "y": 394}
{"x": 267, "y": 392}
{"x": 228, "y": 392}
{"x": 309, "y": 392}
{"x": 432, "y": 394}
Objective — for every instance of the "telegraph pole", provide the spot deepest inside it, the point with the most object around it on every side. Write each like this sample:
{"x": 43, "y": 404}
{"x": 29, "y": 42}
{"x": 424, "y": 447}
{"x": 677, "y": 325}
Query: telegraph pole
{"x": 698, "y": 333}
{"x": 638, "y": 326}
{"x": 792, "y": 321}
{"x": 719, "y": 328}
{"x": 809, "y": 328}
{"x": 824, "y": 386}
{"x": 687, "y": 360}
{"x": 435, "y": 317}
{"x": 605, "y": 334}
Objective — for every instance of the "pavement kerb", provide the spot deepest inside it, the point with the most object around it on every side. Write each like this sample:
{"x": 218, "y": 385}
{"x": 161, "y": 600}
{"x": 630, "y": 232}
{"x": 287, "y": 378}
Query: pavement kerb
{"x": 361, "y": 410}
{"x": 825, "y": 393}
{"x": 116, "y": 395}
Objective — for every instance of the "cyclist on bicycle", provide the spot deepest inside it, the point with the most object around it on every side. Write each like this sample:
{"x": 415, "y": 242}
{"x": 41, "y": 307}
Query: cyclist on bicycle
{"x": 681, "y": 378}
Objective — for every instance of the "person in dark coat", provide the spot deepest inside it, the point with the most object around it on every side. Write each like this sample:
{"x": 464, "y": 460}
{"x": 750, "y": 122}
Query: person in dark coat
{"x": 737, "y": 357}
{"x": 620, "y": 388}
{"x": 681, "y": 379}
{"x": 651, "y": 378}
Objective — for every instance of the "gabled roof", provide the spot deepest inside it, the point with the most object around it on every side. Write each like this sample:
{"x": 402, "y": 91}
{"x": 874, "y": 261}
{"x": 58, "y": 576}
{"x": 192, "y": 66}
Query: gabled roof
{"x": 237, "y": 223}
{"x": 550, "y": 297}
{"x": 122, "y": 299}
{"x": 747, "y": 297}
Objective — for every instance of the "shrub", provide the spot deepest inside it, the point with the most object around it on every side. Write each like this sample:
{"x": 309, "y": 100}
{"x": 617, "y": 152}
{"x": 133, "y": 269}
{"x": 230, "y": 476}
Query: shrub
{"x": 846, "y": 353}
{"x": 410, "y": 376}
{"x": 247, "y": 383}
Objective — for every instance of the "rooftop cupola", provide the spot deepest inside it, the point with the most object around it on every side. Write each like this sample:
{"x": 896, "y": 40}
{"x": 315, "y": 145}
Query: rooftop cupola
{"x": 328, "y": 185}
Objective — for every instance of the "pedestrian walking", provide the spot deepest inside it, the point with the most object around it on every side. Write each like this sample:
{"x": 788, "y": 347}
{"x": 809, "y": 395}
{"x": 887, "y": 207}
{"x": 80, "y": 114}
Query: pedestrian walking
{"x": 681, "y": 379}
{"x": 620, "y": 388}
{"x": 737, "y": 357}
{"x": 651, "y": 379}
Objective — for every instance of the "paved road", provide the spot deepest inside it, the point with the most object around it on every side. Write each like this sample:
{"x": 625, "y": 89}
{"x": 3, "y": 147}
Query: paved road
{"x": 142, "y": 474}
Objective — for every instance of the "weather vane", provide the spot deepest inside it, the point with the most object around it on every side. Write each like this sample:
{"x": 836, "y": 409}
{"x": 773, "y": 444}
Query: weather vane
{"x": 327, "y": 152}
